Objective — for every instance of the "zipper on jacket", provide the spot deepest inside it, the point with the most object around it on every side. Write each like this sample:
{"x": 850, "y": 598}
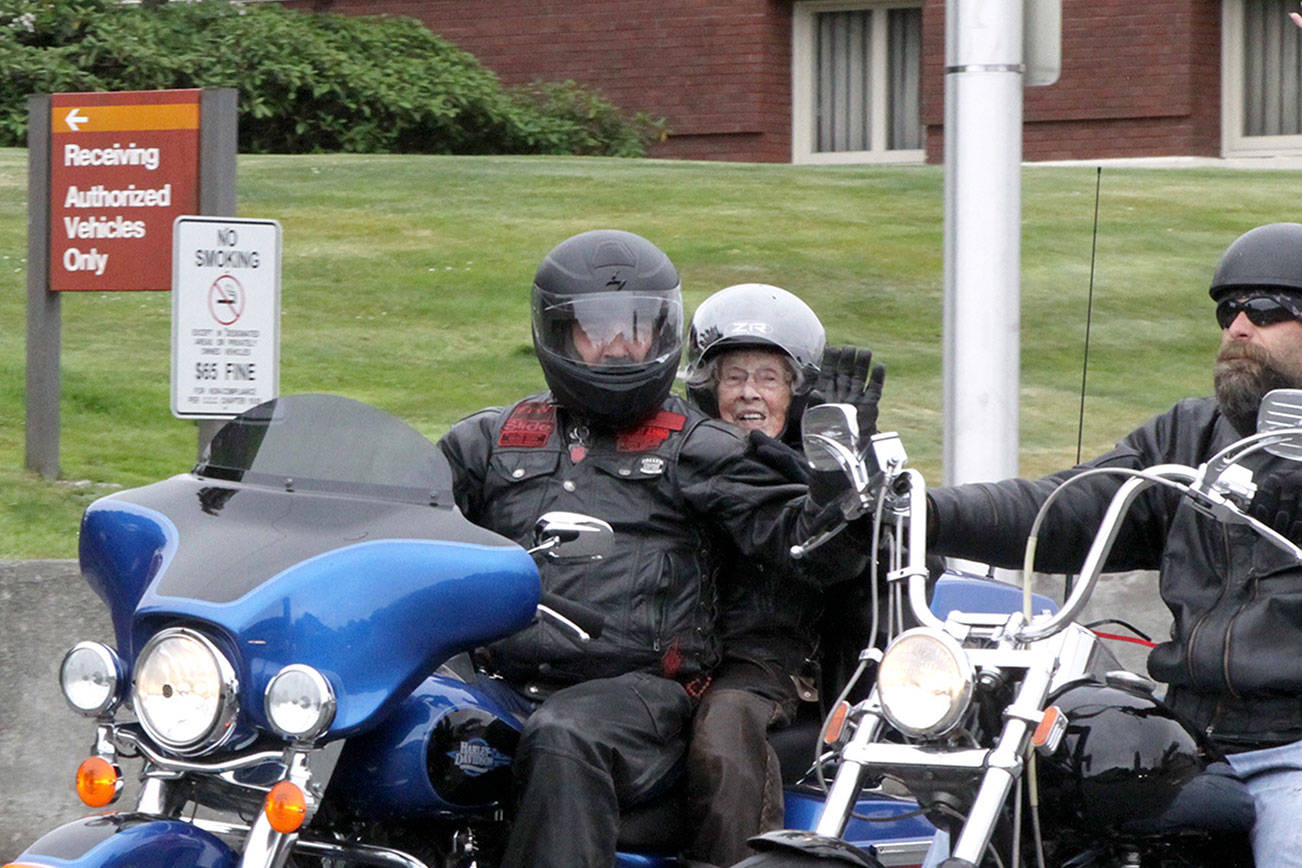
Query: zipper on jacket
{"x": 662, "y": 617}
{"x": 1229, "y": 630}
{"x": 660, "y": 600}
{"x": 1197, "y": 627}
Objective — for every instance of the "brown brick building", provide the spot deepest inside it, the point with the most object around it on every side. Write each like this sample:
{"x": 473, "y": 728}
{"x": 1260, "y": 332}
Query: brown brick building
{"x": 863, "y": 80}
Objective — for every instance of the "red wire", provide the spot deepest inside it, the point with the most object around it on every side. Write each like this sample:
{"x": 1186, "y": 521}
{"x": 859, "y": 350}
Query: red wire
{"x": 1135, "y": 639}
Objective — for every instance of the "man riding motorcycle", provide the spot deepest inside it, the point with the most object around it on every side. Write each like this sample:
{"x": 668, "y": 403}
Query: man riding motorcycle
{"x": 609, "y": 716}
{"x": 1234, "y": 660}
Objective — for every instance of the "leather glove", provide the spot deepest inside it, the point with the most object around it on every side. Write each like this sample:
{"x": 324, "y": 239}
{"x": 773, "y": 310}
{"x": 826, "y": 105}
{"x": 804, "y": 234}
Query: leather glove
{"x": 1276, "y": 503}
{"x": 776, "y": 455}
{"x": 824, "y": 486}
{"x": 847, "y": 375}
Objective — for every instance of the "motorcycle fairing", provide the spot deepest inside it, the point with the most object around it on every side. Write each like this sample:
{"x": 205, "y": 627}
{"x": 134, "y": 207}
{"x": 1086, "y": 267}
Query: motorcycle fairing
{"x": 427, "y": 757}
{"x": 129, "y": 841}
{"x": 372, "y": 593}
{"x": 123, "y": 547}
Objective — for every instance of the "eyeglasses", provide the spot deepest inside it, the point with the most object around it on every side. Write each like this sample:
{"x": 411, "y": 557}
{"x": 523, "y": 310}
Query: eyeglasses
{"x": 766, "y": 379}
{"x": 1262, "y": 310}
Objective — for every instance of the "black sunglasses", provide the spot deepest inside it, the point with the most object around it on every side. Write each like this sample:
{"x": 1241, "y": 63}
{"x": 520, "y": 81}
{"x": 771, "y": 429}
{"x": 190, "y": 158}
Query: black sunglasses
{"x": 1261, "y": 310}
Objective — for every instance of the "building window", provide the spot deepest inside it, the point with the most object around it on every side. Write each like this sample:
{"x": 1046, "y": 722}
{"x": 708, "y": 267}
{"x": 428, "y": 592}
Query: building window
{"x": 1261, "y": 69}
{"x": 856, "y": 82}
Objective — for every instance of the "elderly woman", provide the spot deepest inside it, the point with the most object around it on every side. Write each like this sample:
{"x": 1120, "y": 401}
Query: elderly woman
{"x": 754, "y": 360}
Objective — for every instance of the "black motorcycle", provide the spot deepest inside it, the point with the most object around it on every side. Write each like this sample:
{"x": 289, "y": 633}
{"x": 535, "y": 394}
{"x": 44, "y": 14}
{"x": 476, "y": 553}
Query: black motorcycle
{"x": 1020, "y": 736}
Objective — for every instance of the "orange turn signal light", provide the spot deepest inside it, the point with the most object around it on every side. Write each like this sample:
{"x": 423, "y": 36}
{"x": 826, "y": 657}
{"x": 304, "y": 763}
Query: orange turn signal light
{"x": 286, "y": 807}
{"x": 97, "y": 782}
{"x": 835, "y": 723}
{"x": 1048, "y": 735}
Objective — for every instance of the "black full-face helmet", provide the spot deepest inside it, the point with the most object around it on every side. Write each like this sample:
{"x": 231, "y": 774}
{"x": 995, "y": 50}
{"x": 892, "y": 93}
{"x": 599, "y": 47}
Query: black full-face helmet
{"x": 607, "y": 325}
{"x": 754, "y": 316}
{"x": 1266, "y": 258}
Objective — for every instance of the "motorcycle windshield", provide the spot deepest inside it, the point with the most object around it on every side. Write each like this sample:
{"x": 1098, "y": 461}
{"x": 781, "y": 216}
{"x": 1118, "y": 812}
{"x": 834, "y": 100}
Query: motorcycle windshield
{"x": 326, "y": 443}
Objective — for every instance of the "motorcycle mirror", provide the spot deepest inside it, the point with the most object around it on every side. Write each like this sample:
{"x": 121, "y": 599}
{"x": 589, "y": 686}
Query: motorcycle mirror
{"x": 825, "y": 430}
{"x": 1281, "y": 409}
{"x": 572, "y": 537}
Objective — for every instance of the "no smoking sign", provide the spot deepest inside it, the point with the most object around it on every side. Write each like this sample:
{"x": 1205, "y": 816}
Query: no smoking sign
{"x": 225, "y": 315}
{"x": 226, "y": 300}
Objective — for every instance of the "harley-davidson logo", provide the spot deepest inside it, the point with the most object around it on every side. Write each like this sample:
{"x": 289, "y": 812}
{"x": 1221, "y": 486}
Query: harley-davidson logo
{"x": 476, "y": 757}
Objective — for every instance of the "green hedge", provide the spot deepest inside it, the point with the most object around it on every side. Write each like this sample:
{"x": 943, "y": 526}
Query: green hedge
{"x": 307, "y": 82}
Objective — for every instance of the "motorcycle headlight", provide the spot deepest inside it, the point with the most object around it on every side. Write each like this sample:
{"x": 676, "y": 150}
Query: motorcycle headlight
{"x": 924, "y": 683}
{"x": 184, "y": 691}
{"x": 300, "y": 703}
{"x": 90, "y": 677}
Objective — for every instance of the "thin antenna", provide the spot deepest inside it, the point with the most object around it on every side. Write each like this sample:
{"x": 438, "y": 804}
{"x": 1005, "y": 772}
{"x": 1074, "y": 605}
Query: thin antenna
{"x": 1089, "y": 314}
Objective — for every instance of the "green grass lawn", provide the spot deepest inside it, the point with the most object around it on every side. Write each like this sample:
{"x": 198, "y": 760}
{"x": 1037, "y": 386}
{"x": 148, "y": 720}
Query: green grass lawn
{"x": 406, "y": 283}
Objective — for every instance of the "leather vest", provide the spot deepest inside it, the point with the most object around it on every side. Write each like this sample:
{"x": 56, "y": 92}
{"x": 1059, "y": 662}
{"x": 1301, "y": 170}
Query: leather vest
{"x": 656, "y": 588}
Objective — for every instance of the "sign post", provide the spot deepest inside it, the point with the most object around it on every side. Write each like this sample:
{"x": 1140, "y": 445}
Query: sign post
{"x": 108, "y": 173}
{"x": 225, "y": 316}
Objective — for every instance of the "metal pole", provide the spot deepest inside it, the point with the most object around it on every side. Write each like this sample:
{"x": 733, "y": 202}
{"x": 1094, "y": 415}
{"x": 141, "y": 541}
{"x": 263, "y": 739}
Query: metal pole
{"x": 218, "y": 145}
{"x": 44, "y": 310}
{"x": 983, "y": 152}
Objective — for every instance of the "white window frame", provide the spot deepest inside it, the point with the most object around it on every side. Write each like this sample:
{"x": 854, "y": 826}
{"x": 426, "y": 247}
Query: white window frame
{"x": 802, "y": 85}
{"x": 1233, "y": 142}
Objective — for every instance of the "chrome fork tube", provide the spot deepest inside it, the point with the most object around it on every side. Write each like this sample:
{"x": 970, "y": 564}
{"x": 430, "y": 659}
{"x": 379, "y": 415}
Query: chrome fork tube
{"x": 1005, "y": 763}
{"x": 265, "y": 847}
{"x": 847, "y": 783}
{"x": 155, "y": 788}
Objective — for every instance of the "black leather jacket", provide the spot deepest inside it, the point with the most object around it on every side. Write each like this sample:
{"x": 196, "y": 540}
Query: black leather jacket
{"x": 771, "y": 616}
{"x": 807, "y": 622}
{"x": 1234, "y": 659}
{"x": 666, "y": 486}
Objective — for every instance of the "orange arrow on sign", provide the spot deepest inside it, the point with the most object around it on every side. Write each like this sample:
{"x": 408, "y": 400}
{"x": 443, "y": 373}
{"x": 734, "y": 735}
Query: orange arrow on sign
{"x": 114, "y": 118}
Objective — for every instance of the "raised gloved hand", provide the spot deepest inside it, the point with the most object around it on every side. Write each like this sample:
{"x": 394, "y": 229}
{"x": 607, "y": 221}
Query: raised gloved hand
{"x": 847, "y": 376}
{"x": 1276, "y": 503}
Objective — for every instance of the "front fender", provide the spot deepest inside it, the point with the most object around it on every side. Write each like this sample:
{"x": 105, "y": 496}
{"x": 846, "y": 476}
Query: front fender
{"x": 795, "y": 847}
{"x": 128, "y": 841}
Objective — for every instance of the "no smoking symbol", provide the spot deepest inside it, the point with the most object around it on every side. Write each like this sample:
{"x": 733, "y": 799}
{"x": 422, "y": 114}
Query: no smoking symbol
{"x": 226, "y": 299}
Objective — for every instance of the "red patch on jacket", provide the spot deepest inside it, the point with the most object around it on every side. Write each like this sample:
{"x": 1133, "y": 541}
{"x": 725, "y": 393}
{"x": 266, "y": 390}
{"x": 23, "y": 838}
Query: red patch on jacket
{"x": 671, "y": 661}
{"x": 530, "y": 425}
{"x": 648, "y": 435}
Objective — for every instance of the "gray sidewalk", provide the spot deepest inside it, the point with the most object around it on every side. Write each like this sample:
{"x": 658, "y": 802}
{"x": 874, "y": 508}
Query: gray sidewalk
{"x": 1259, "y": 163}
{"x": 45, "y": 607}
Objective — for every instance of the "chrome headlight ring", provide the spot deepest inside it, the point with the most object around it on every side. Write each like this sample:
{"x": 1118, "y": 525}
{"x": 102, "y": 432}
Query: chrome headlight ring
{"x": 185, "y": 692}
{"x": 925, "y": 683}
{"x": 91, "y": 678}
{"x": 299, "y": 702}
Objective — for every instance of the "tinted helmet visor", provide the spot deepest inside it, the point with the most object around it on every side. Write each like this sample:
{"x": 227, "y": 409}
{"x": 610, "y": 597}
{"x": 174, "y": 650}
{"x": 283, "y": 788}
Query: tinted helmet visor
{"x": 609, "y": 329}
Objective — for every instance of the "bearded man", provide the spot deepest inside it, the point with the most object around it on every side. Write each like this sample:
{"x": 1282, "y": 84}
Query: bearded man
{"x": 1234, "y": 660}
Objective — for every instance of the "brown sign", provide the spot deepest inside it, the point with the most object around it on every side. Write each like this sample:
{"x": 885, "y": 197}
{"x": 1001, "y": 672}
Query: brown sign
{"x": 123, "y": 167}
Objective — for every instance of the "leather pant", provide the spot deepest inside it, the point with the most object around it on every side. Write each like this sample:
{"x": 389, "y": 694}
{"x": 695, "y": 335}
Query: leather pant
{"x": 587, "y": 750}
{"x": 734, "y": 780}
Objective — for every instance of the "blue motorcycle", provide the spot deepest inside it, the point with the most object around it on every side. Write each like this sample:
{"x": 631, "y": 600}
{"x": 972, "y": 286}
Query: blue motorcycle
{"x": 293, "y": 623}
